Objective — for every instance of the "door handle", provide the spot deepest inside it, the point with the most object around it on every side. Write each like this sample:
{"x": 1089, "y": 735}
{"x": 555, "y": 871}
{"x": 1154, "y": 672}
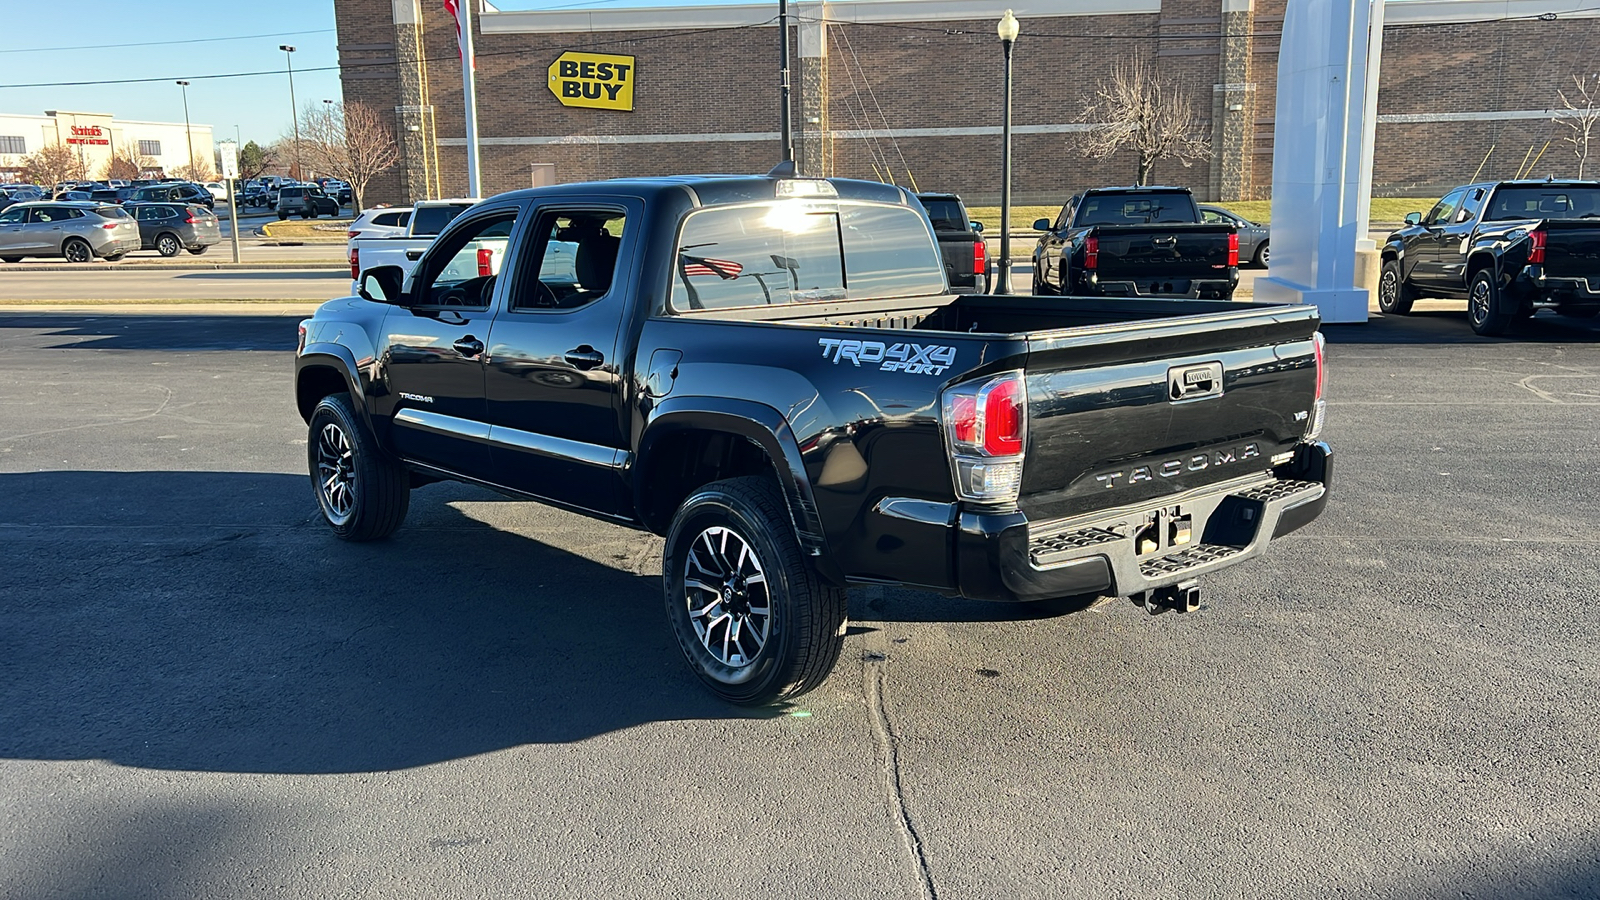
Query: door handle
{"x": 585, "y": 357}
{"x": 413, "y": 255}
{"x": 468, "y": 346}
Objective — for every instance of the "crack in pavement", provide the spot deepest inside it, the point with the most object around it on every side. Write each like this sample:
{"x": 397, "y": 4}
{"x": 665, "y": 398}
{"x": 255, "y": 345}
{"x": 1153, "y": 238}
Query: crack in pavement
{"x": 875, "y": 675}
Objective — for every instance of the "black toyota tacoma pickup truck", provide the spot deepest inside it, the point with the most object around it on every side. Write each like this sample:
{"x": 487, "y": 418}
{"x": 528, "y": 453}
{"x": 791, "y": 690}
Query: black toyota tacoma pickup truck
{"x": 1135, "y": 242}
{"x": 771, "y": 373}
{"x": 1510, "y": 248}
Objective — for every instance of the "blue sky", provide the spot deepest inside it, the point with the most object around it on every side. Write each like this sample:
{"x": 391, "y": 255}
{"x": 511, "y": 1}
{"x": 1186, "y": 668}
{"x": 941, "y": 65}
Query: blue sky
{"x": 258, "y": 105}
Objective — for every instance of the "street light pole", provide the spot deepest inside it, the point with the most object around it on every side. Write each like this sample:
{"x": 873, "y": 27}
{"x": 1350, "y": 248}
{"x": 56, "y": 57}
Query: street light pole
{"x": 294, "y": 107}
{"x": 184, "y": 85}
{"x": 1008, "y": 30}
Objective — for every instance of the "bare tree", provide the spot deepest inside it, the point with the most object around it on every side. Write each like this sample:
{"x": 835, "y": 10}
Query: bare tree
{"x": 348, "y": 141}
{"x": 198, "y": 171}
{"x": 128, "y": 165}
{"x": 1141, "y": 111}
{"x": 50, "y": 165}
{"x": 1582, "y": 116}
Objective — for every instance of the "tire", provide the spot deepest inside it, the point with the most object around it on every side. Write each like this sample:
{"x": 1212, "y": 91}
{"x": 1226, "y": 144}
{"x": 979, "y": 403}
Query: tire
{"x": 363, "y": 494}
{"x": 282, "y": 215}
{"x": 710, "y": 588}
{"x": 77, "y": 250}
{"x": 1395, "y": 296}
{"x": 168, "y": 245}
{"x": 10, "y": 259}
{"x": 200, "y": 251}
{"x": 1486, "y": 305}
{"x": 116, "y": 257}
{"x": 1263, "y": 255}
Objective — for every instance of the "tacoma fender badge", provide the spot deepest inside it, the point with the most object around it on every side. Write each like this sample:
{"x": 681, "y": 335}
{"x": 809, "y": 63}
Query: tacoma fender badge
{"x": 415, "y": 398}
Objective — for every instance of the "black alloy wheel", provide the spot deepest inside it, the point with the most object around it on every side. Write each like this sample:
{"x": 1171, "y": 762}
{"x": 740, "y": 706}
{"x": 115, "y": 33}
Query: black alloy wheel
{"x": 168, "y": 245}
{"x": 1395, "y": 297}
{"x": 362, "y": 493}
{"x": 76, "y": 250}
{"x": 1486, "y": 305}
{"x": 752, "y": 617}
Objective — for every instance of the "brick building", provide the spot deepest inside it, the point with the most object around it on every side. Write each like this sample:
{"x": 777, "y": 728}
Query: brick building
{"x": 909, "y": 91}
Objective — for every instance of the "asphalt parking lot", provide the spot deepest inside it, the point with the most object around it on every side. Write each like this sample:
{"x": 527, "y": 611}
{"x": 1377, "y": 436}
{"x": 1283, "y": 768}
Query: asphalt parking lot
{"x": 203, "y": 694}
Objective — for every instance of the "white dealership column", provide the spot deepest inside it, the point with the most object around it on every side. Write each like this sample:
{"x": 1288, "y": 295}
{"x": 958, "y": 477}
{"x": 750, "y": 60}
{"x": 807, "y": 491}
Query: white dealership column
{"x": 1316, "y": 159}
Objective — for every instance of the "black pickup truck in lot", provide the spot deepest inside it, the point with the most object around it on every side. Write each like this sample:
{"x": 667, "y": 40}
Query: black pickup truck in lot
{"x": 1135, "y": 242}
{"x": 770, "y": 373}
{"x": 1509, "y": 248}
{"x": 961, "y": 244}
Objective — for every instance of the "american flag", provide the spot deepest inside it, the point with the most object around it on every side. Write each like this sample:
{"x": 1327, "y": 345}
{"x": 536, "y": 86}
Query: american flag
{"x": 722, "y": 268}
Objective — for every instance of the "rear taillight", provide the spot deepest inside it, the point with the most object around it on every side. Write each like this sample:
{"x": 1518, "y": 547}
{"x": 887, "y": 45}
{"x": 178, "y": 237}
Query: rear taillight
{"x": 1233, "y": 249}
{"x": 987, "y": 426}
{"x": 355, "y": 263}
{"x": 485, "y": 256}
{"x": 980, "y": 260}
{"x": 1536, "y": 246}
{"x": 109, "y": 225}
{"x": 191, "y": 220}
{"x": 1319, "y": 407}
{"x": 1091, "y": 253}
{"x": 351, "y": 235}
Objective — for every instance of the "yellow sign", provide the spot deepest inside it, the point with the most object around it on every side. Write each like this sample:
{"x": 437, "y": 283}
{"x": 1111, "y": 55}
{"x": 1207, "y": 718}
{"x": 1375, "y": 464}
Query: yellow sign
{"x": 595, "y": 80}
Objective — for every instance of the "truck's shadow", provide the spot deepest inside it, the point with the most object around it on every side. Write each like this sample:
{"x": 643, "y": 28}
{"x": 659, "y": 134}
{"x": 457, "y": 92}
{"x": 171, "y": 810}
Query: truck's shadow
{"x": 209, "y": 621}
{"x": 204, "y": 621}
{"x": 1451, "y": 327}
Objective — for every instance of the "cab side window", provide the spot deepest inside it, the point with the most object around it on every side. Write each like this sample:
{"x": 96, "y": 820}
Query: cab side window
{"x": 1445, "y": 209}
{"x": 576, "y": 253}
{"x": 462, "y": 266}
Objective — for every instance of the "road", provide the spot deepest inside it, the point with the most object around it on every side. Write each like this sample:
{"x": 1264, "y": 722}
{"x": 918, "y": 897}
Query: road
{"x": 127, "y": 282}
{"x": 203, "y": 694}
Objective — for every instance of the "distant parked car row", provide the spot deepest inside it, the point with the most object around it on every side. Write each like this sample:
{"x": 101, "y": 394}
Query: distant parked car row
{"x": 80, "y": 231}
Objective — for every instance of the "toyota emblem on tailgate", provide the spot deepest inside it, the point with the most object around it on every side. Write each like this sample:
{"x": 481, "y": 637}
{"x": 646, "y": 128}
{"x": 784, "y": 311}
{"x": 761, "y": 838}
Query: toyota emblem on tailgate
{"x": 1194, "y": 382}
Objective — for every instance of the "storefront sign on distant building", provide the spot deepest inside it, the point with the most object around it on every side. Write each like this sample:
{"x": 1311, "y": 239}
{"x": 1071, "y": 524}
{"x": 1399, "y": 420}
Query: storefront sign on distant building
{"x": 595, "y": 80}
{"x": 89, "y": 134}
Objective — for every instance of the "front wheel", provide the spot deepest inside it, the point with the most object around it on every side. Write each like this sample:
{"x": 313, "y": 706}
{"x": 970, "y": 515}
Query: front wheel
{"x": 363, "y": 494}
{"x": 1486, "y": 305}
{"x": 754, "y": 620}
{"x": 1394, "y": 295}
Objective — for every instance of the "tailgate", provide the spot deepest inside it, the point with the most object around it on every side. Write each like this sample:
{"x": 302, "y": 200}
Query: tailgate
{"x": 1137, "y": 252}
{"x": 1127, "y": 414}
{"x": 956, "y": 252}
{"x": 1572, "y": 248}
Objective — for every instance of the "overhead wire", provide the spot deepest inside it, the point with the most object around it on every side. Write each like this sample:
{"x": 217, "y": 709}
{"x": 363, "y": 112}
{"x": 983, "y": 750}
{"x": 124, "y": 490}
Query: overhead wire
{"x": 210, "y": 40}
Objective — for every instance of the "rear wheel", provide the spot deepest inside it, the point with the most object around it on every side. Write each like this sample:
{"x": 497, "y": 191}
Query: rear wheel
{"x": 1486, "y": 305}
{"x": 11, "y": 259}
{"x": 1263, "y": 255}
{"x": 1395, "y": 296}
{"x": 116, "y": 257}
{"x": 197, "y": 251}
{"x": 362, "y": 493}
{"x": 754, "y": 620}
{"x": 282, "y": 215}
{"x": 76, "y": 250}
{"x": 168, "y": 245}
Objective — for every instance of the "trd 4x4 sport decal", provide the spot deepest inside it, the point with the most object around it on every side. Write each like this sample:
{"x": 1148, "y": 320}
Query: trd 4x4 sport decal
{"x": 913, "y": 359}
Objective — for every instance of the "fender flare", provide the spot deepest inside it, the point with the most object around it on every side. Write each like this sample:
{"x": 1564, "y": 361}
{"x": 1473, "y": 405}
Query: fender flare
{"x": 325, "y": 355}
{"x": 768, "y": 429}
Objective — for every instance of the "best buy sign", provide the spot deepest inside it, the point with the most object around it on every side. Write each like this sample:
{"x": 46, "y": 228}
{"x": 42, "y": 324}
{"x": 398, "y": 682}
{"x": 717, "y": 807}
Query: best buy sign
{"x": 595, "y": 80}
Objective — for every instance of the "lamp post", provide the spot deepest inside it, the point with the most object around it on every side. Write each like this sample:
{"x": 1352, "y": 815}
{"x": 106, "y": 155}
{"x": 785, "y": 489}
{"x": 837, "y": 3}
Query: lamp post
{"x": 184, "y": 86}
{"x": 1008, "y": 29}
{"x": 294, "y": 108}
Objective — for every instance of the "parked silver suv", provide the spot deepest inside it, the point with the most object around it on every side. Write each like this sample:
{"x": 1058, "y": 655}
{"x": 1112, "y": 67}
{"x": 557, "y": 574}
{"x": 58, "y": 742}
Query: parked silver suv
{"x": 78, "y": 232}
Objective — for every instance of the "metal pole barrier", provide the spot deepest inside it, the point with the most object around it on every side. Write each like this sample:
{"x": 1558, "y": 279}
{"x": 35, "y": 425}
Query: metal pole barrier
{"x": 233, "y": 218}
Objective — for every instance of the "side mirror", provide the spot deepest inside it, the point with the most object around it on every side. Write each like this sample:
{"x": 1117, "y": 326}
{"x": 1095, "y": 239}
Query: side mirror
{"x": 1041, "y": 224}
{"x": 977, "y": 227}
{"x": 1413, "y": 218}
{"x": 383, "y": 284}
